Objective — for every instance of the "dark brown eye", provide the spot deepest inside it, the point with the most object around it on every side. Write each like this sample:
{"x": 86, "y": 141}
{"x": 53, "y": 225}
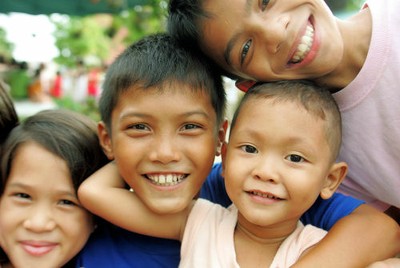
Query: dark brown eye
{"x": 294, "y": 158}
{"x": 245, "y": 50}
{"x": 264, "y": 4}
{"x": 249, "y": 149}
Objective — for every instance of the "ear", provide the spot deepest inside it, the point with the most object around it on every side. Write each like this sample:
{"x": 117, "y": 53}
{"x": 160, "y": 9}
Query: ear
{"x": 105, "y": 140}
{"x": 221, "y": 136}
{"x": 223, "y": 157}
{"x": 335, "y": 177}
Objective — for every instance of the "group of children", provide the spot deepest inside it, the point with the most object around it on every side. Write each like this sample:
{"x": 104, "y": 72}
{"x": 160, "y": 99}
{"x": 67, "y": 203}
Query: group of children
{"x": 272, "y": 173}
{"x": 164, "y": 201}
{"x": 357, "y": 59}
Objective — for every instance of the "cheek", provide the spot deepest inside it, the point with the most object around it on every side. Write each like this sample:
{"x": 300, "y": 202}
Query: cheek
{"x": 10, "y": 217}
{"x": 233, "y": 177}
{"x": 128, "y": 164}
{"x": 76, "y": 232}
{"x": 4, "y": 230}
{"x": 11, "y": 220}
{"x": 85, "y": 224}
{"x": 305, "y": 190}
{"x": 201, "y": 154}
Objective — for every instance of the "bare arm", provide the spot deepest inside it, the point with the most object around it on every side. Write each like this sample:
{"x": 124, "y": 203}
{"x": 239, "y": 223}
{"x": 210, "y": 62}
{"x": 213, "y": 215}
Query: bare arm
{"x": 103, "y": 194}
{"x": 357, "y": 240}
{"x": 389, "y": 263}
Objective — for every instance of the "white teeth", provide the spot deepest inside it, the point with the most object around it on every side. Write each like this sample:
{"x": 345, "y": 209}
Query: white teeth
{"x": 304, "y": 46}
{"x": 161, "y": 179}
{"x": 166, "y": 180}
{"x": 270, "y": 196}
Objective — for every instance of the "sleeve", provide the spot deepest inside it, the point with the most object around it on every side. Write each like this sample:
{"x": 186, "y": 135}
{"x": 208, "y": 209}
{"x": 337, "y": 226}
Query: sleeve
{"x": 213, "y": 188}
{"x": 324, "y": 213}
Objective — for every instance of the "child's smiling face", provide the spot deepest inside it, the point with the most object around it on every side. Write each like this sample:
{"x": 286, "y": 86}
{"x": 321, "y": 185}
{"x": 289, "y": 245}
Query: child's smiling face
{"x": 272, "y": 40}
{"x": 277, "y": 161}
{"x": 42, "y": 223}
{"x": 164, "y": 142}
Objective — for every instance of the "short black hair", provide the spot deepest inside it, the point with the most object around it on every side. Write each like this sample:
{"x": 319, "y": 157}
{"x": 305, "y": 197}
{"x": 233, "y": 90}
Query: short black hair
{"x": 183, "y": 19}
{"x": 183, "y": 23}
{"x": 155, "y": 61}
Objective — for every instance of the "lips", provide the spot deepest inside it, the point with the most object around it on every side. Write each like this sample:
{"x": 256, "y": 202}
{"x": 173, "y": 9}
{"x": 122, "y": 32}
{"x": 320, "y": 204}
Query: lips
{"x": 38, "y": 248}
{"x": 304, "y": 46}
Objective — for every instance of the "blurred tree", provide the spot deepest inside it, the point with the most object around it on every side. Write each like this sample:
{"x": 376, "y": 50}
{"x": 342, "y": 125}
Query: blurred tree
{"x": 80, "y": 38}
{"x": 97, "y": 39}
{"x": 142, "y": 20}
{"x": 6, "y": 47}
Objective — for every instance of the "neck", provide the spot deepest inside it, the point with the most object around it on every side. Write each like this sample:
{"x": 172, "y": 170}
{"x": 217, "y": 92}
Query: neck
{"x": 263, "y": 245}
{"x": 265, "y": 239}
{"x": 356, "y": 33}
{"x": 246, "y": 234}
{"x": 265, "y": 235}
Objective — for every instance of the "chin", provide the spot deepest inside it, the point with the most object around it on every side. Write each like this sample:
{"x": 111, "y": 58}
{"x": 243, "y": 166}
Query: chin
{"x": 169, "y": 207}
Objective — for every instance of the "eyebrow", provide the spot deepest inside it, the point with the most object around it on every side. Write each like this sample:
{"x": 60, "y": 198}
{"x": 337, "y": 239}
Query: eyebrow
{"x": 27, "y": 187}
{"x": 18, "y": 185}
{"x": 235, "y": 37}
{"x": 186, "y": 114}
{"x": 131, "y": 114}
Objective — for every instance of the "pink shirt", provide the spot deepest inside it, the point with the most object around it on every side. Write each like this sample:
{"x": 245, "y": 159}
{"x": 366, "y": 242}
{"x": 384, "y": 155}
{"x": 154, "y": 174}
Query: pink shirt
{"x": 208, "y": 239}
{"x": 370, "y": 107}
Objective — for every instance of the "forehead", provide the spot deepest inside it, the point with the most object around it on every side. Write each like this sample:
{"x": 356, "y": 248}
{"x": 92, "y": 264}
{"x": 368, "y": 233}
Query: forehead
{"x": 289, "y": 117}
{"x": 169, "y": 97}
{"x": 167, "y": 90}
{"x": 223, "y": 24}
{"x": 34, "y": 166}
{"x": 284, "y": 125}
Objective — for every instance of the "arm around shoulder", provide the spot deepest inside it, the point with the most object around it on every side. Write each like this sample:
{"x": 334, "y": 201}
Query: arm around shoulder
{"x": 104, "y": 194}
{"x": 357, "y": 240}
{"x": 96, "y": 192}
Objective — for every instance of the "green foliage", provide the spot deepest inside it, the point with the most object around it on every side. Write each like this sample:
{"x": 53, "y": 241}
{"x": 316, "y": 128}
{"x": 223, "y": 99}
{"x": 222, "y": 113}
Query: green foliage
{"x": 88, "y": 108}
{"x": 80, "y": 38}
{"x": 6, "y": 47}
{"x": 142, "y": 20}
{"x": 83, "y": 38}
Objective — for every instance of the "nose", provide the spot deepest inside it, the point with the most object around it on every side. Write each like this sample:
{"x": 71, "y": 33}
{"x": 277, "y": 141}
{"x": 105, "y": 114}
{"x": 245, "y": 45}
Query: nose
{"x": 40, "y": 219}
{"x": 164, "y": 150}
{"x": 266, "y": 169}
{"x": 271, "y": 30}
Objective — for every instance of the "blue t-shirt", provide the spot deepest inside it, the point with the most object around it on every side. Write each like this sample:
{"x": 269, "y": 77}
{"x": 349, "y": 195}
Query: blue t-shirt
{"x": 111, "y": 246}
